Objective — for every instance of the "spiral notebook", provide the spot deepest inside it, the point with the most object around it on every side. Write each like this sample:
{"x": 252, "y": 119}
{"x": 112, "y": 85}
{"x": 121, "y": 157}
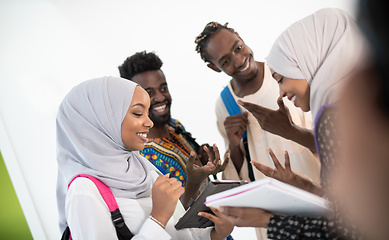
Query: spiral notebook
{"x": 273, "y": 196}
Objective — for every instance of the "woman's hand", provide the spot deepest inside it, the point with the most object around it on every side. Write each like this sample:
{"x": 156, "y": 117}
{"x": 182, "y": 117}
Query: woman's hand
{"x": 278, "y": 122}
{"x": 222, "y": 229}
{"x": 286, "y": 175}
{"x": 165, "y": 194}
{"x": 245, "y": 216}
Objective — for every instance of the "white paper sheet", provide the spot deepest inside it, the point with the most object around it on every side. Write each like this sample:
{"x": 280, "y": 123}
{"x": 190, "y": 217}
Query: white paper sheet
{"x": 273, "y": 196}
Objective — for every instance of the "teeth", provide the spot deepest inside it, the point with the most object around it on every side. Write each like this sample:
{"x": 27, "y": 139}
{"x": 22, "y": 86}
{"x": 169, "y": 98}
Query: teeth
{"x": 245, "y": 68}
{"x": 143, "y": 135}
{"x": 293, "y": 98}
{"x": 160, "y": 108}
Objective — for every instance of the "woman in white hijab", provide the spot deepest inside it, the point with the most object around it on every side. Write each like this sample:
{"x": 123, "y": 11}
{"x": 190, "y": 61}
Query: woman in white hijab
{"x": 310, "y": 60}
{"x": 313, "y": 57}
{"x": 101, "y": 125}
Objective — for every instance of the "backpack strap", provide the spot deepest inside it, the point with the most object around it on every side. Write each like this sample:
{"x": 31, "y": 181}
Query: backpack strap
{"x": 179, "y": 129}
{"x": 122, "y": 230}
{"x": 231, "y": 105}
{"x": 233, "y": 108}
{"x": 105, "y": 192}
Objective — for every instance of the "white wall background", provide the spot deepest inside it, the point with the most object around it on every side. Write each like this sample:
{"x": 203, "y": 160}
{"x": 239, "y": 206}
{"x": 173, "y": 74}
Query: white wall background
{"x": 46, "y": 47}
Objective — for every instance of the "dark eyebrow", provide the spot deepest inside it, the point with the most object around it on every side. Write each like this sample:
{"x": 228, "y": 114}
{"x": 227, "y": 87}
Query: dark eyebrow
{"x": 139, "y": 104}
{"x": 232, "y": 48}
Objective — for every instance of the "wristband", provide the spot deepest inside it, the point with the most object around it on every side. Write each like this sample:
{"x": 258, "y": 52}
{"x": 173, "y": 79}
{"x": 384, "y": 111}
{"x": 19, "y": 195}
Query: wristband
{"x": 158, "y": 222}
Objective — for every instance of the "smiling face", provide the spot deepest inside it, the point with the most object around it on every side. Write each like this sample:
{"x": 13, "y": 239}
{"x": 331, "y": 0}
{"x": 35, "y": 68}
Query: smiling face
{"x": 228, "y": 53}
{"x": 154, "y": 83}
{"x": 296, "y": 90}
{"x": 136, "y": 123}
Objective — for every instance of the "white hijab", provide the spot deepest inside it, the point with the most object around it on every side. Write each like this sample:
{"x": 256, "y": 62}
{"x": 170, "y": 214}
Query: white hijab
{"x": 89, "y": 140}
{"x": 322, "y": 48}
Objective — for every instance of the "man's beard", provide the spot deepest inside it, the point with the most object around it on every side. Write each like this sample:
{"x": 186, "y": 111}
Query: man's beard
{"x": 160, "y": 120}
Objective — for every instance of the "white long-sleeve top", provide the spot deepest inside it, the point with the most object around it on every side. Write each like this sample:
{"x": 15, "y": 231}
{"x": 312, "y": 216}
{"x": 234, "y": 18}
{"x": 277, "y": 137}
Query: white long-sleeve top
{"x": 88, "y": 216}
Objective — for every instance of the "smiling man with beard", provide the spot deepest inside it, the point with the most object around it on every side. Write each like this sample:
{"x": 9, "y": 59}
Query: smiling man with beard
{"x": 169, "y": 145}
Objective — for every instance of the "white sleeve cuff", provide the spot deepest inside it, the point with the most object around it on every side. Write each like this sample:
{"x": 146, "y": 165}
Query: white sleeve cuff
{"x": 151, "y": 230}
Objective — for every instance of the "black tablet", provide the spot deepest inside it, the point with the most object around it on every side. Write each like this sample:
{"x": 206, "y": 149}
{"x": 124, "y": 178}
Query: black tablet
{"x": 190, "y": 219}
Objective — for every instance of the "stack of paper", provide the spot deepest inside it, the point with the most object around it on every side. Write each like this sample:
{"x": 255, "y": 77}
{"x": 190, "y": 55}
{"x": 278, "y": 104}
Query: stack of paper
{"x": 273, "y": 196}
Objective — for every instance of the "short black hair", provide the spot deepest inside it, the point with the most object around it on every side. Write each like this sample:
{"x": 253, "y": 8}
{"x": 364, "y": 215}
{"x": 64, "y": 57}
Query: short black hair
{"x": 210, "y": 30}
{"x": 138, "y": 63}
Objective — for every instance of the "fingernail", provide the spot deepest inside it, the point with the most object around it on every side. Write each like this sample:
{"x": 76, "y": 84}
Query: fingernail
{"x": 200, "y": 214}
{"x": 221, "y": 209}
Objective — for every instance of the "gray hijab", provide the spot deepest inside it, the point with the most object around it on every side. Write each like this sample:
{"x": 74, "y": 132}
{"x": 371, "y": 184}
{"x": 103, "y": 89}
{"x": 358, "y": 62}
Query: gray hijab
{"x": 89, "y": 141}
{"x": 322, "y": 48}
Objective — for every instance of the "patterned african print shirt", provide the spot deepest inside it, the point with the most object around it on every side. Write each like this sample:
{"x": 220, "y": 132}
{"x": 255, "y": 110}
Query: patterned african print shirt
{"x": 170, "y": 155}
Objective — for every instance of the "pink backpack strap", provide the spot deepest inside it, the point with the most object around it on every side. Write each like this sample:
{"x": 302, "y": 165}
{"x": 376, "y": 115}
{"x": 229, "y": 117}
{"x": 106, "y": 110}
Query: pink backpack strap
{"x": 121, "y": 228}
{"x": 103, "y": 189}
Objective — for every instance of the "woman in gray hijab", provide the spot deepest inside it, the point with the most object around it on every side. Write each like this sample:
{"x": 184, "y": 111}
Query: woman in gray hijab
{"x": 101, "y": 125}
{"x": 310, "y": 60}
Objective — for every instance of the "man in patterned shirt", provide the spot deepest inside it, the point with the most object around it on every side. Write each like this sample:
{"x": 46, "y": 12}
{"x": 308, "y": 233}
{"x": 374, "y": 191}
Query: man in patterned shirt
{"x": 169, "y": 145}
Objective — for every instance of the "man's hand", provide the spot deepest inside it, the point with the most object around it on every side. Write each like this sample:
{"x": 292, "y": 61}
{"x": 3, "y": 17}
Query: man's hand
{"x": 196, "y": 174}
{"x": 208, "y": 152}
{"x": 203, "y": 154}
{"x": 235, "y": 126}
{"x": 225, "y": 162}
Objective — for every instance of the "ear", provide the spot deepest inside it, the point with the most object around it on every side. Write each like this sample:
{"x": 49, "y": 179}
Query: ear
{"x": 213, "y": 67}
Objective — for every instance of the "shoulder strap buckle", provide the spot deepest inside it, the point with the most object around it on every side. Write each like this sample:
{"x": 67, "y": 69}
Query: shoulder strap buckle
{"x": 117, "y": 218}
